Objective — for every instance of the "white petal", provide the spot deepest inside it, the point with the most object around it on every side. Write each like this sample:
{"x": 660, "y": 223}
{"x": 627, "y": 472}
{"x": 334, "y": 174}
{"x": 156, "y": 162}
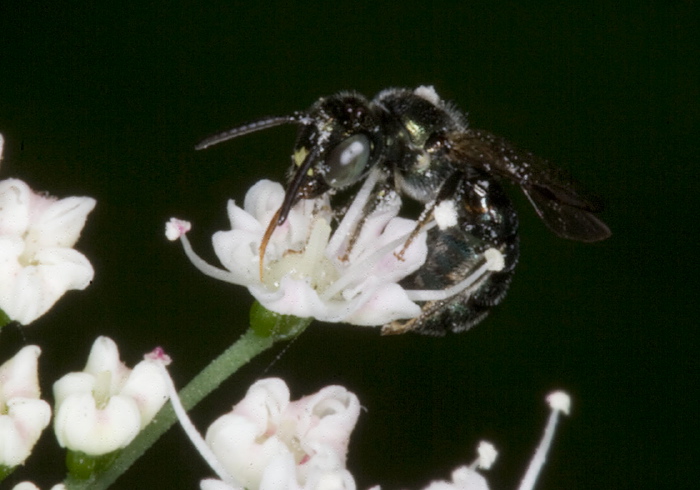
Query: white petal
{"x": 387, "y": 304}
{"x": 326, "y": 418}
{"x": 31, "y": 291}
{"x": 20, "y": 429}
{"x": 104, "y": 356}
{"x": 244, "y": 440}
{"x": 212, "y": 484}
{"x": 25, "y": 485}
{"x": 72, "y": 384}
{"x": 147, "y": 388}
{"x": 241, "y": 449}
{"x": 263, "y": 200}
{"x": 280, "y": 474}
{"x": 264, "y": 403}
{"x": 18, "y": 375}
{"x": 80, "y": 426}
{"x": 237, "y": 251}
{"x": 60, "y": 224}
{"x": 14, "y": 203}
{"x": 294, "y": 297}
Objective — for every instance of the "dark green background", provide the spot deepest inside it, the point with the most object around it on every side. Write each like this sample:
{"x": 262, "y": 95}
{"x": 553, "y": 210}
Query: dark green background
{"x": 108, "y": 102}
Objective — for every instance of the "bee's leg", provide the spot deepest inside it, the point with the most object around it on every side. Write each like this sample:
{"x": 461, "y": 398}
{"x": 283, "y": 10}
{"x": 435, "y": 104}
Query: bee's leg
{"x": 463, "y": 289}
{"x": 427, "y": 216}
{"x": 374, "y": 191}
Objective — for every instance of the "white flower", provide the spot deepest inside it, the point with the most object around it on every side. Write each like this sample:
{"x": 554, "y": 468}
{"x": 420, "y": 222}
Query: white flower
{"x": 310, "y": 270}
{"x": 37, "y": 261}
{"x": 23, "y": 416}
{"x": 268, "y": 442}
{"x": 104, "y": 407}
{"x": 27, "y": 485}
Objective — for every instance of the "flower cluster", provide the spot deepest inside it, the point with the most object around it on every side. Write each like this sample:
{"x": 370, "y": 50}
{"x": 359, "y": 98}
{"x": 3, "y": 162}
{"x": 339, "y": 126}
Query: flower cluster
{"x": 268, "y": 442}
{"x": 304, "y": 267}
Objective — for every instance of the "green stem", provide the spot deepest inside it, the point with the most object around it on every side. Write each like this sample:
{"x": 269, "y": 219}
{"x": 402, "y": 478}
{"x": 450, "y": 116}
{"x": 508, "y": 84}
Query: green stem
{"x": 243, "y": 350}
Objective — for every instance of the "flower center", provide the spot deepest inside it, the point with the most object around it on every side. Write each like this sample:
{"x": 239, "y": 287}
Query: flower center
{"x": 101, "y": 392}
{"x": 26, "y": 258}
{"x": 309, "y": 264}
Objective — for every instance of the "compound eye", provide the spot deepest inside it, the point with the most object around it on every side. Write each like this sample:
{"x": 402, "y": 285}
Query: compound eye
{"x": 347, "y": 161}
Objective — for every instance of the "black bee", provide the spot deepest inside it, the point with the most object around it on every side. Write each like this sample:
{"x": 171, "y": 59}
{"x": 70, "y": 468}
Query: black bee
{"x": 427, "y": 153}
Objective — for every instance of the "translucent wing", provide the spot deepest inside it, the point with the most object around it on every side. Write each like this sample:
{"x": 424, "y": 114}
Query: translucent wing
{"x": 567, "y": 209}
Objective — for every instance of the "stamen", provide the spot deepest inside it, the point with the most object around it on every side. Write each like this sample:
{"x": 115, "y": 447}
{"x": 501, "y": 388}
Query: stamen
{"x": 194, "y": 435}
{"x": 204, "y": 267}
{"x": 354, "y": 213}
{"x": 487, "y": 456}
{"x": 363, "y": 264}
{"x": 559, "y": 402}
{"x": 492, "y": 261}
{"x": 313, "y": 253}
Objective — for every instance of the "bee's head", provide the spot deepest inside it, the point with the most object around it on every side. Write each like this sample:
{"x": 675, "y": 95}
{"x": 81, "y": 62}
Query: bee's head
{"x": 339, "y": 141}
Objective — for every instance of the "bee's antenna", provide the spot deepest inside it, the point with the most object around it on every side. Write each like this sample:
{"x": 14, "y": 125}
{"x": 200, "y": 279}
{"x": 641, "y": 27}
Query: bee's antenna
{"x": 251, "y": 127}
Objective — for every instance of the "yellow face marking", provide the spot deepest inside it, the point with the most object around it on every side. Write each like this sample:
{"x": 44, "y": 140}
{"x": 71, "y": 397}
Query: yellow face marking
{"x": 299, "y": 156}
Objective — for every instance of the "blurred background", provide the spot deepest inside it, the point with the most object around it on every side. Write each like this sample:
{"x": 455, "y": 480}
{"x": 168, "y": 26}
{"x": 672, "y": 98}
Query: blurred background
{"x": 109, "y": 102}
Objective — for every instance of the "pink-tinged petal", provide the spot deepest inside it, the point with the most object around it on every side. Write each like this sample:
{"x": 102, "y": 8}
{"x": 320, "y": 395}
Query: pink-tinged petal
{"x": 18, "y": 375}
{"x": 23, "y": 416}
{"x": 268, "y": 443}
{"x": 37, "y": 263}
{"x": 386, "y": 304}
{"x": 263, "y": 404}
{"x": 326, "y": 419}
{"x": 20, "y": 429}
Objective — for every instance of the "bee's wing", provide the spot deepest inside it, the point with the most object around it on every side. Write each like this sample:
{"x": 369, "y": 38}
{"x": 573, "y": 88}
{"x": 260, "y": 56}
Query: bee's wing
{"x": 567, "y": 209}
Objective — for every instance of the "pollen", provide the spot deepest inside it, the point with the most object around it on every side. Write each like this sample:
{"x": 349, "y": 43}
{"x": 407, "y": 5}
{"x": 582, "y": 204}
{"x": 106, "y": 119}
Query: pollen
{"x": 299, "y": 156}
{"x": 445, "y": 214}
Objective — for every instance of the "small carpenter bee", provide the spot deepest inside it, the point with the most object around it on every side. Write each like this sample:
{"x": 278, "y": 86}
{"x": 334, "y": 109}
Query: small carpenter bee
{"x": 425, "y": 151}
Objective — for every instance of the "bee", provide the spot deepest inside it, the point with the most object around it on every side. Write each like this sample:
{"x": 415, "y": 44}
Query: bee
{"x": 426, "y": 151}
